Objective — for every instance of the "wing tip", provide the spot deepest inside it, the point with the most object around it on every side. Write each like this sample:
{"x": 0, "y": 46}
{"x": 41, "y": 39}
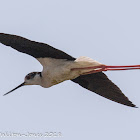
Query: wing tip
{"x": 132, "y": 105}
{"x": 128, "y": 103}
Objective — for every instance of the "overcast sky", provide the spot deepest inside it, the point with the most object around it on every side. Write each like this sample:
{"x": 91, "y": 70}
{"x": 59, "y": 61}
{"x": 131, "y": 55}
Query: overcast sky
{"x": 105, "y": 30}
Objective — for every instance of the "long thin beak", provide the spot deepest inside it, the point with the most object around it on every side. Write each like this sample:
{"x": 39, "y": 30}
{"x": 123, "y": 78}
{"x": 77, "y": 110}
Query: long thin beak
{"x": 15, "y": 88}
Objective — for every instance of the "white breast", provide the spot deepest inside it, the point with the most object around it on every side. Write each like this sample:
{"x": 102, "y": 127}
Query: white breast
{"x": 58, "y": 70}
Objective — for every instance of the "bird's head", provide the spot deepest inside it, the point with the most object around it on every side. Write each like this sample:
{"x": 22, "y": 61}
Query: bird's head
{"x": 33, "y": 78}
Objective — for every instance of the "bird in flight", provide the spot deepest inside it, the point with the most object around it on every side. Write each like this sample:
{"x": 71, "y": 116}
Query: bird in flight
{"x": 58, "y": 66}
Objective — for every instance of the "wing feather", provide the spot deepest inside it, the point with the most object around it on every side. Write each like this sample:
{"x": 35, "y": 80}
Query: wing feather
{"x": 35, "y": 49}
{"x": 100, "y": 84}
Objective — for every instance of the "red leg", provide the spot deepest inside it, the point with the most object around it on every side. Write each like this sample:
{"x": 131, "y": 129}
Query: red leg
{"x": 107, "y": 68}
{"x": 121, "y": 69}
{"x": 94, "y": 67}
{"x": 130, "y": 67}
{"x": 97, "y": 69}
{"x": 94, "y": 71}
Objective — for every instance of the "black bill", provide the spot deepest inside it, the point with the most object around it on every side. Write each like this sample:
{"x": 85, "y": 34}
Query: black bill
{"x": 15, "y": 88}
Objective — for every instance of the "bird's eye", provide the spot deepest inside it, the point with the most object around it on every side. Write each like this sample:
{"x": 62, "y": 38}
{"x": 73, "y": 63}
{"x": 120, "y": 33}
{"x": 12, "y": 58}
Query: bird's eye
{"x": 28, "y": 77}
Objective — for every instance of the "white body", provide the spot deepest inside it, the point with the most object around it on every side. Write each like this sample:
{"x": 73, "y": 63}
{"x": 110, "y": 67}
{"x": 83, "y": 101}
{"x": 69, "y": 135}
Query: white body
{"x": 58, "y": 70}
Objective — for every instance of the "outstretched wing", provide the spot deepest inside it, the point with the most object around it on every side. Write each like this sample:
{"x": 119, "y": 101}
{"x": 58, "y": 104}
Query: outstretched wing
{"x": 35, "y": 49}
{"x": 100, "y": 84}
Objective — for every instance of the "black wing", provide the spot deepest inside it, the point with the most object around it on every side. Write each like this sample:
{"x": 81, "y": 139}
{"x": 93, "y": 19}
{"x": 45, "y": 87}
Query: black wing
{"x": 35, "y": 49}
{"x": 100, "y": 84}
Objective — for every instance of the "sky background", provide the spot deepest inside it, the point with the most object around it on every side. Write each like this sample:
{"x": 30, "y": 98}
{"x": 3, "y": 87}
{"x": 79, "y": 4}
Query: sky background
{"x": 105, "y": 30}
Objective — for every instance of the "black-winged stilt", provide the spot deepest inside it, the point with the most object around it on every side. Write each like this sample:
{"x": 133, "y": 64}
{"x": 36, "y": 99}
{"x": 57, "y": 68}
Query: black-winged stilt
{"x": 59, "y": 66}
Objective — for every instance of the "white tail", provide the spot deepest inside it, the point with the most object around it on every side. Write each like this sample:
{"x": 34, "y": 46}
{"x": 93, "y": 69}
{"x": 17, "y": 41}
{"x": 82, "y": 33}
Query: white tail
{"x": 86, "y": 61}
